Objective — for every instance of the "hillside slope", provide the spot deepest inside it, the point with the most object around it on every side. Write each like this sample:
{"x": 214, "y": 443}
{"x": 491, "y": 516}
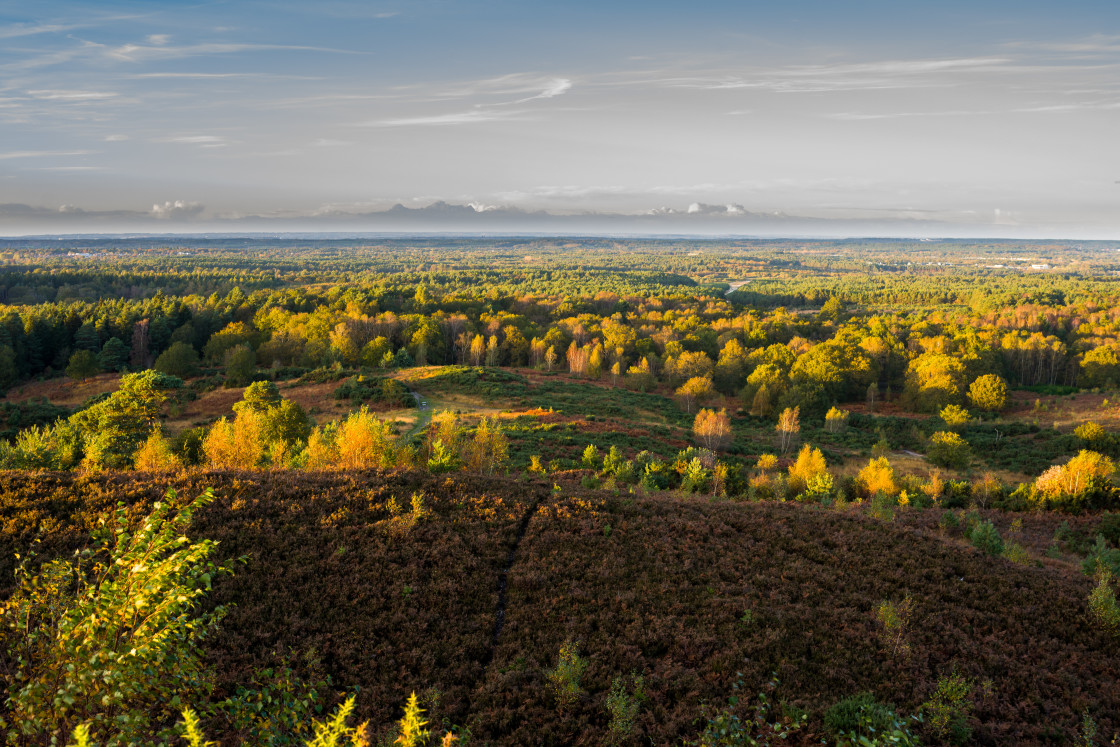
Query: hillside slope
{"x": 475, "y": 598}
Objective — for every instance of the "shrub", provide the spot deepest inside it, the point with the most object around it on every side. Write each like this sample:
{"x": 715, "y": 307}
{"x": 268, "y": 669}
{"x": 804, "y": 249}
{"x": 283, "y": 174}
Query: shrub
{"x": 623, "y": 706}
{"x": 954, "y": 416}
{"x": 1103, "y": 609}
{"x": 236, "y": 445}
{"x": 156, "y": 453}
{"x": 894, "y": 617}
{"x": 985, "y": 537}
{"x": 364, "y": 441}
{"x": 1100, "y": 555}
{"x": 112, "y": 639}
{"x": 948, "y": 449}
{"x": 1109, "y": 528}
{"x": 613, "y": 460}
{"x": 760, "y": 727}
{"x": 948, "y": 521}
{"x": 845, "y": 715}
{"x": 411, "y": 731}
{"x": 590, "y": 457}
{"x": 1018, "y": 554}
{"x": 1090, "y": 432}
{"x": 810, "y": 463}
{"x": 949, "y": 707}
{"x": 564, "y": 679}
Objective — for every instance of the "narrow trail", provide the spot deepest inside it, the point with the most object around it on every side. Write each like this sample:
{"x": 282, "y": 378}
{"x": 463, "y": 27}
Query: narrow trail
{"x": 503, "y": 581}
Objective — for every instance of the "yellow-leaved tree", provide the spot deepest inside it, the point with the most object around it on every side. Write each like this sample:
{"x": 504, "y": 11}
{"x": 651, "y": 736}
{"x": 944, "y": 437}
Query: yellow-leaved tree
{"x": 712, "y": 429}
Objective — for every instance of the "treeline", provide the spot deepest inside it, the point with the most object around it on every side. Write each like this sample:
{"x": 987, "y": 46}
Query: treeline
{"x": 773, "y": 358}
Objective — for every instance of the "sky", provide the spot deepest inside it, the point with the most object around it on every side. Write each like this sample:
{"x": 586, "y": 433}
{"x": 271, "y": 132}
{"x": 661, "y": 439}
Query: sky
{"x": 863, "y": 117}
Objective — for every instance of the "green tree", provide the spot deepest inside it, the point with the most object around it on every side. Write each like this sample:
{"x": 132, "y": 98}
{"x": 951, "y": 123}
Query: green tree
{"x": 180, "y": 360}
{"x": 114, "y": 354}
{"x": 241, "y": 365}
{"x": 948, "y": 449}
{"x": 259, "y": 396}
{"x": 113, "y": 429}
{"x": 9, "y": 372}
{"x": 83, "y": 364}
{"x": 86, "y": 338}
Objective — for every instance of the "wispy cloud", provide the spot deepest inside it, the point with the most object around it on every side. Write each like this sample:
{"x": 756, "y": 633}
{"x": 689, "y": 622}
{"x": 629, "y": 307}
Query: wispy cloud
{"x": 486, "y": 112}
{"x": 205, "y": 141}
{"x": 20, "y": 29}
{"x": 44, "y": 153}
{"x": 1072, "y": 107}
{"x": 472, "y": 116}
{"x": 144, "y": 52}
{"x": 862, "y": 116}
{"x": 219, "y": 76}
{"x": 62, "y": 95}
{"x": 556, "y": 88}
{"x": 1095, "y": 44}
{"x": 843, "y": 77}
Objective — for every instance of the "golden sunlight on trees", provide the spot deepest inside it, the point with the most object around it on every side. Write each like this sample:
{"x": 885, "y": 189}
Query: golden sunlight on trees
{"x": 1073, "y": 484}
{"x": 835, "y": 420}
{"x": 236, "y": 444}
{"x": 809, "y": 464}
{"x": 488, "y": 450}
{"x": 694, "y": 391}
{"x": 712, "y": 429}
{"x": 364, "y": 441}
{"x": 155, "y": 453}
{"x": 988, "y": 393}
{"x": 877, "y": 477}
{"x": 789, "y": 425}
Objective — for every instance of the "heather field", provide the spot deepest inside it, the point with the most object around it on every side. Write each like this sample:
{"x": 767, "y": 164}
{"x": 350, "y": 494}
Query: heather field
{"x": 467, "y": 595}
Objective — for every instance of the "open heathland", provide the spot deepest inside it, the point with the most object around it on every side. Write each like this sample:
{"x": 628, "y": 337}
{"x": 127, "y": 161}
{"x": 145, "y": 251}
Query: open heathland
{"x": 467, "y": 595}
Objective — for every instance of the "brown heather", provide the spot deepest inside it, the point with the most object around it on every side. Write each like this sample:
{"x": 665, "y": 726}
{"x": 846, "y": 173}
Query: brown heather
{"x": 662, "y": 594}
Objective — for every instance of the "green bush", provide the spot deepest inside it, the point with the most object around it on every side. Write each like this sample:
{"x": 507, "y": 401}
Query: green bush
{"x": 949, "y": 707}
{"x": 1109, "y": 528}
{"x": 623, "y": 706}
{"x": 726, "y": 728}
{"x": 845, "y": 715}
{"x": 985, "y": 537}
{"x": 1101, "y": 556}
{"x": 948, "y": 449}
{"x": 1103, "y": 609}
{"x": 564, "y": 679}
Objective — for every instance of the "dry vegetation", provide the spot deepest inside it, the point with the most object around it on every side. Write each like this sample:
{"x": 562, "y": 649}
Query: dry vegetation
{"x": 687, "y": 592}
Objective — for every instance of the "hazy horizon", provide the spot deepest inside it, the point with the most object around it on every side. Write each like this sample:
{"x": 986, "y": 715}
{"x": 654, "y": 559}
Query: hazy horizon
{"x": 730, "y": 119}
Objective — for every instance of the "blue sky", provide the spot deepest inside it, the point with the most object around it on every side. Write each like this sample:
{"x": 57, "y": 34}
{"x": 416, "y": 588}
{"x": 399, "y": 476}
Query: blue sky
{"x": 989, "y": 117}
